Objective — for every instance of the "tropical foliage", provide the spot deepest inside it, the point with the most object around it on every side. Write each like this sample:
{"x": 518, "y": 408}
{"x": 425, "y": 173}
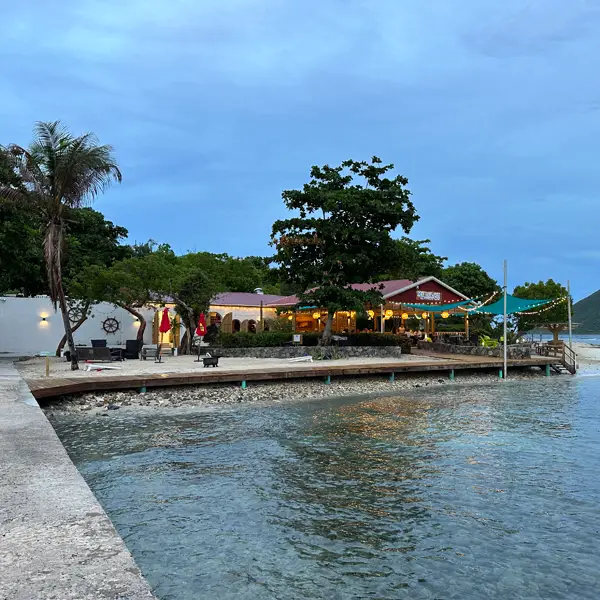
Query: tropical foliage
{"x": 58, "y": 172}
{"x": 553, "y": 317}
{"x": 341, "y": 233}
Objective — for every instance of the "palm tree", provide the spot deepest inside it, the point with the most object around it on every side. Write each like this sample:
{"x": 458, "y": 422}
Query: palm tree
{"x": 60, "y": 172}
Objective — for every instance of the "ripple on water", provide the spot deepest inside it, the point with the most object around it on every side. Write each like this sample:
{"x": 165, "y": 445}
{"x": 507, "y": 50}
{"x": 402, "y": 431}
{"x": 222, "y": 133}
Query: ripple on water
{"x": 469, "y": 492}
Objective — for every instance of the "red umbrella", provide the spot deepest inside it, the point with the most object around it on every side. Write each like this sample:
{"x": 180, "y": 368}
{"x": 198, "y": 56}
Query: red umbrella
{"x": 201, "y": 329}
{"x": 165, "y": 322}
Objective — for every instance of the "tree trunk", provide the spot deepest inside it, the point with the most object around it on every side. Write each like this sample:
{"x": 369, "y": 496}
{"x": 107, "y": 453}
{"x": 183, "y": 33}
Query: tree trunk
{"x": 326, "y": 337}
{"x": 185, "y": 346}
{"x": 82, "y": 320}
{"x": 139, "y": 317}
{"x": 62, "y": 302}
{"x": 189, "y": 322}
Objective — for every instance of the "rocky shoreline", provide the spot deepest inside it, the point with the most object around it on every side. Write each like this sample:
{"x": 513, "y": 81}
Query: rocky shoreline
{"x": 102, "y": 403}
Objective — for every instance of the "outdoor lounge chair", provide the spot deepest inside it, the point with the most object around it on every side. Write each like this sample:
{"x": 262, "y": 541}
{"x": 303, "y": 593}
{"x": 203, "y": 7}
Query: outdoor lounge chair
{"x": 132, "y": 349}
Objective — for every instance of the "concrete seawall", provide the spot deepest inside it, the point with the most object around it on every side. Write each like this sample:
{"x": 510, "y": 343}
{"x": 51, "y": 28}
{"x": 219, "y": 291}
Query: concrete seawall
{"x": 55, "y": 539}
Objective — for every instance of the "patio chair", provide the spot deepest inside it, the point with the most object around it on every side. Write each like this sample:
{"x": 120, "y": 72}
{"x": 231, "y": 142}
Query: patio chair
{"x": 132, "y": 349}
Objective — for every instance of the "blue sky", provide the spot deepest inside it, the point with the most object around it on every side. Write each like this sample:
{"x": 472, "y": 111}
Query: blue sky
{"x": 491, "y": 109}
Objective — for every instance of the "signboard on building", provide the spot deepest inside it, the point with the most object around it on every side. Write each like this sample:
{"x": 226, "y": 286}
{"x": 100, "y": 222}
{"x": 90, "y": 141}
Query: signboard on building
{"x": 297, "y": 338}
{"x": 431, "y": 296}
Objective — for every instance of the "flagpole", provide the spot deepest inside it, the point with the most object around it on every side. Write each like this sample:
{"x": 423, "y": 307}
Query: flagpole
{"x": 569, "y": 312}
{"x": 505, "y": 336}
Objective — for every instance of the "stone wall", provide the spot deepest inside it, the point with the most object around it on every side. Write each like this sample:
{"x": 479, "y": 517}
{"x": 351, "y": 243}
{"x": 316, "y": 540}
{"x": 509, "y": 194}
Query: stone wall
{"x": 517, "y": 351}
{"x": 314, "y": 351}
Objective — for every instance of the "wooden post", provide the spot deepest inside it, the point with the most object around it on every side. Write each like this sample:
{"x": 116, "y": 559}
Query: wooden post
{"x": 294, "y": 321}
{"x": 261, "y": 326}
{"x": 47, "y": 366}
{"x": 467, "y": 325}
{"x": 432, "y": 322}
{"x": 382, "y": 324}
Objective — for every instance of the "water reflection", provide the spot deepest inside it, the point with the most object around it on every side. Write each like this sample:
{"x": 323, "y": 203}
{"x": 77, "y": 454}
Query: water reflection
{"x": 451, "y": 493}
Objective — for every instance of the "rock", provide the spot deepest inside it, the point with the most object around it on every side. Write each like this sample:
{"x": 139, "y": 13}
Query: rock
{"x": 113, "y": 407}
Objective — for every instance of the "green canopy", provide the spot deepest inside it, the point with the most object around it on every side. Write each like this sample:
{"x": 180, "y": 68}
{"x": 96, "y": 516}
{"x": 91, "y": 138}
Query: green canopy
{"x": 437, "y": 307}
{"x": 513, "y": 305}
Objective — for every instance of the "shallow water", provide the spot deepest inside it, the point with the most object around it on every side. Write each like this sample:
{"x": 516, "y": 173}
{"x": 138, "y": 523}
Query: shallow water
{"x": 456, "y": 492}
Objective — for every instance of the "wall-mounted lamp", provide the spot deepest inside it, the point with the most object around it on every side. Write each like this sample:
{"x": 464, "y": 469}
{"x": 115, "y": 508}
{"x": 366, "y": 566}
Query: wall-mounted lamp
{"x": 43, "y": 318}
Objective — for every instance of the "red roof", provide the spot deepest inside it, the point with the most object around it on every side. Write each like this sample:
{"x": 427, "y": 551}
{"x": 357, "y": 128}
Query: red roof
{"x": 244, "y": 299}
{"x": 388, "y": 287}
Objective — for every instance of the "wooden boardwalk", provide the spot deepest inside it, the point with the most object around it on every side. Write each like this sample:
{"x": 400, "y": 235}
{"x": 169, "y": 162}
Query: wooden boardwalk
{"x": 58, "y": 386}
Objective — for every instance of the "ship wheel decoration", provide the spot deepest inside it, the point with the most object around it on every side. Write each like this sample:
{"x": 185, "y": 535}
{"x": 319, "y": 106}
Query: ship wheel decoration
{"x": 75, "y": 313}
{"x": 110, "y": 325}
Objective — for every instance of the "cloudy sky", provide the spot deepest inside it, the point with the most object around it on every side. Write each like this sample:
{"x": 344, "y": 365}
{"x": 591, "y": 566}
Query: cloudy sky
{"x": 491, "y": 109}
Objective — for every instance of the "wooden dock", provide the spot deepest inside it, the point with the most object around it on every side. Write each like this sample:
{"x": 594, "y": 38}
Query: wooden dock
{"x": 55, "y": 386}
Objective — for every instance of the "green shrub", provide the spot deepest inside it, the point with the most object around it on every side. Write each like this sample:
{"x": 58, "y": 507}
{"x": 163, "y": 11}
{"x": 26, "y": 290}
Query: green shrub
{"x": 267, "y": 339}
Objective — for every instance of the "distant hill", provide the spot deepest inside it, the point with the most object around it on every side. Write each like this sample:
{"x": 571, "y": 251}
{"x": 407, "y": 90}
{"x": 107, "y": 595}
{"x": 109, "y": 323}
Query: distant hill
{"x": 587, "y": 313}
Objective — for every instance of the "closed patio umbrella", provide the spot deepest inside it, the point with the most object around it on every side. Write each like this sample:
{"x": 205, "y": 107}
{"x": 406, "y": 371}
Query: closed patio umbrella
{"x": 164, "y": 327}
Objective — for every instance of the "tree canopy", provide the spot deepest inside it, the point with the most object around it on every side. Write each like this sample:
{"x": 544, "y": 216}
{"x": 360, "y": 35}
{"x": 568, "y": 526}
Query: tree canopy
{"x": 470, "y": 279}
{"x": 553, "y": 317}
{"x": 414, "y": 261}
{"x": 341, "y": 233}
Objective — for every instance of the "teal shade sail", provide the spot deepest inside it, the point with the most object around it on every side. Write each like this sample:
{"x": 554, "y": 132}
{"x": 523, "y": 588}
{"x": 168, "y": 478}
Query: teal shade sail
{"x": 513, "y": 305}
{"x": 436, "y": 307}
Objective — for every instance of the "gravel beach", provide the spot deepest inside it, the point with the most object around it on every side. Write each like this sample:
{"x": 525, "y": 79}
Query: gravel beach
{"x": 102, "y": 403}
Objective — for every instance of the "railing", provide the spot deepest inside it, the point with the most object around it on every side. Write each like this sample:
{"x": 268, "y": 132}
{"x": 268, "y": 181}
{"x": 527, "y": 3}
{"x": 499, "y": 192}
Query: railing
{"x": 565, "y": 354}
{"x": 569, "y": 361}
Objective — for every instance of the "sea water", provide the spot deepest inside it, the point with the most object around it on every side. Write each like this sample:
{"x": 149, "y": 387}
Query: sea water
{"x": 463, "y": 492}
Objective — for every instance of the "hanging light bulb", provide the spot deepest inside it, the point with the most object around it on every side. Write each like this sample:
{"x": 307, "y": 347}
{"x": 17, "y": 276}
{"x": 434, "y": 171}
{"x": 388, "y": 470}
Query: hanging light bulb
{"x": 445, "y": 315}
{"x": 371, "y": 314}
{"x": 405, "y": 316}
{"x": 316, "y": 315}
{"x": 389, "y": 314}
{"x": 424, "y": 315}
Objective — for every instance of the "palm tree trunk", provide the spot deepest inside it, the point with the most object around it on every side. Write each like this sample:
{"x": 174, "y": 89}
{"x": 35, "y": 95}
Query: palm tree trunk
{"x": 62, "y": 303}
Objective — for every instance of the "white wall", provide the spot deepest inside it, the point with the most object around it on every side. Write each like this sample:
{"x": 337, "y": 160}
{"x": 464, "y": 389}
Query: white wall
{"x": 23, "y": 331}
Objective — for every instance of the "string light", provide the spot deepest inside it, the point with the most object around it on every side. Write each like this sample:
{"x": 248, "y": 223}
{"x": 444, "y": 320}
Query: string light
{"x": 486, "y": 301}
{"x": 549, "y": 307}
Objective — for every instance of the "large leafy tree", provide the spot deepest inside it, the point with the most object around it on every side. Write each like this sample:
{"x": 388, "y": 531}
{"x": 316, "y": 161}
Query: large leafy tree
{"x": 59, "y": 172}
{"x": 470, "y": 279}
{"x": 341, "y": 233}
{"x": 553, "y": 317}
{"x": 415, "y": 260}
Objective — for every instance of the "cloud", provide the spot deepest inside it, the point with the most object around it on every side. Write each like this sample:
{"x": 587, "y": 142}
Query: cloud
{"x": 214, "y": 107}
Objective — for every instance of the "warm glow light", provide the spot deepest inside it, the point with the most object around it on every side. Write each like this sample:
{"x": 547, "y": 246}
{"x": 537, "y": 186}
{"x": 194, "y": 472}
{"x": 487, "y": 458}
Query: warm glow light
{"x": 316, "y": 315}
{"x": 424, "y": 315}
{"x": 389, "y": 313}
{"x": 290, "y": 317}
{"x": 371, "y": 314}
{"x": 405, "y": 316}
{"x": 136, "y": 323}
{"x": 445, "y": 315}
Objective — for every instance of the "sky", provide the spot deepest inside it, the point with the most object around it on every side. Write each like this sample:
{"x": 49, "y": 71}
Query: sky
{"x": 491, "y": 110}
